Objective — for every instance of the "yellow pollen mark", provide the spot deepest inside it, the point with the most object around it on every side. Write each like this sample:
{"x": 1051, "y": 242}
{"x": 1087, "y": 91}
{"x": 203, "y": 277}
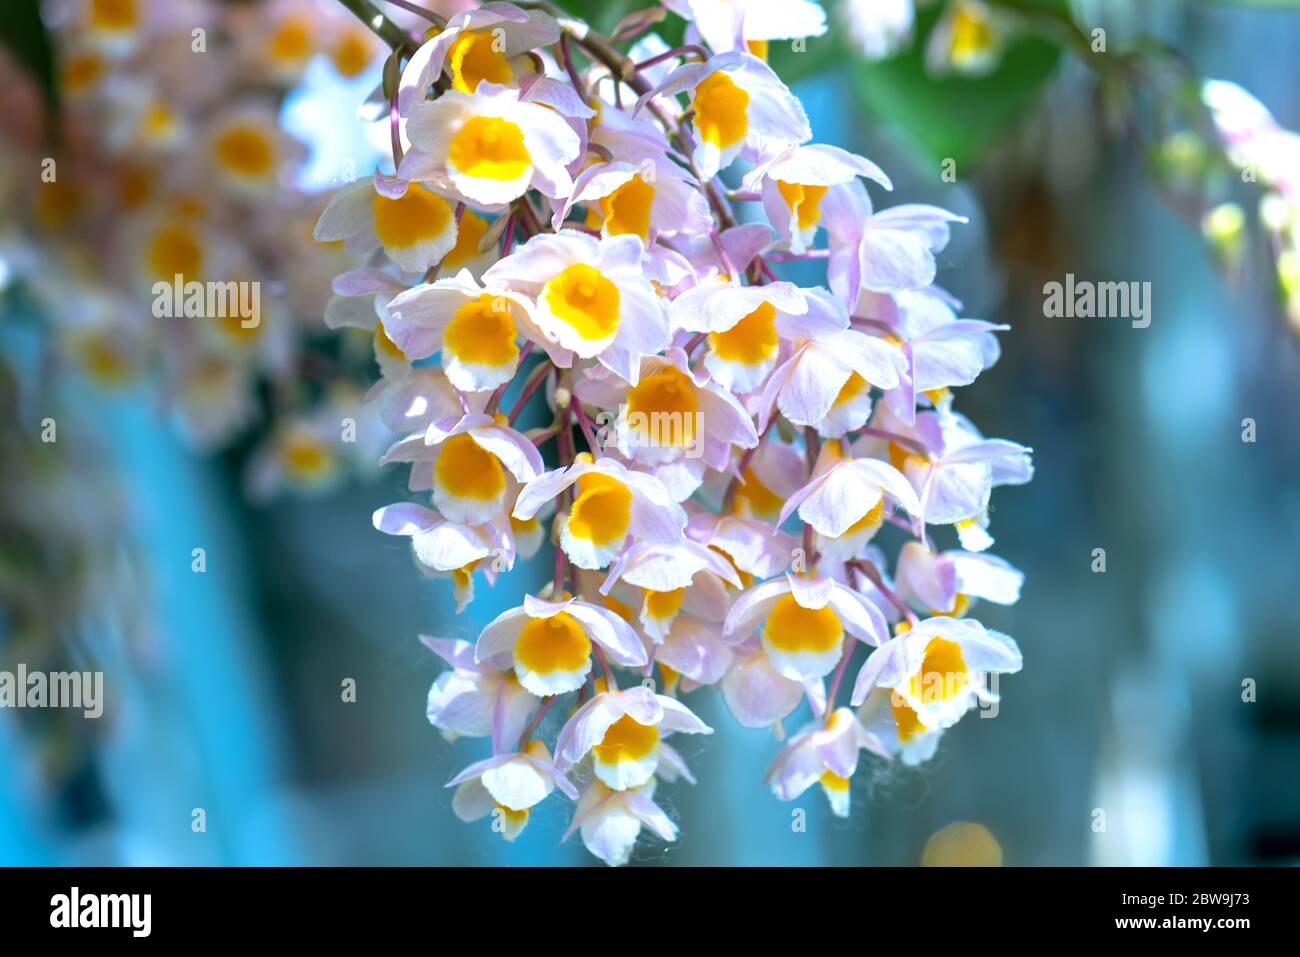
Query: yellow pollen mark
{"x": 960, "y": 604}
{"x": 833, "y": 782}
{"x": 746, "y": 579}
{"x": 548, "y": 645}
{"x": 585, "y": 300}
{"x": 175, "y": 251}
{"x": 82, "y": 71}
{"x": 246, "y": 150}
{"x": 482, "y": 332}
{"x": 902, "y": 627}
{"x": 469, "y": 233}
{"x": 664, "y": 604}
{"x": 805, "y": 202}
{"x": 663, "y": 408}
{"x": 761, "y": 499}
{"x": 620, "y": 608}
{"x": 351, "y": 55}
{"x": 474, "y": 58}
{"x": 721, "y": 111}
{"x": 671, "y": 675}
{"x": 303, "y": 455}
{"x": 757, "y": 47}
{"x": 627, "y": 209}
{"x": 385, "y": 344}
{"x": 602, "y": 512}
{"x": 291, "y": 41}
{"x": 512, "y": 817}
{"x": 872, "y": 519}
{"x": 971, "y": 34}
{"x": 415, "y": 216}
{"x": 909, "y": 725}
{"x": 942, "y": 674}
{"x": 488, "y": 147}
{"x": 525, "y": 526}
{"x": 113, "y": 14}
{"x": 937, "y": 395}
{"x": 900, "y": 457}
{"x": 790, "y": 627}
{"x": 104, "y": 360}
{"x": 467, "y": 470}
{"x": 854, "y": 386}
{"x": 627, "y": 740}
{"x": 749, "y": 342}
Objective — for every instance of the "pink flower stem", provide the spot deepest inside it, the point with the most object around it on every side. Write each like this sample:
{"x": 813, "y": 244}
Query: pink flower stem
{"x": 840, "y": 669}
{"x": 536, "y": 721}
{"x": 870, "y": 571}
{"x": 530, "y": 386}
{"x": 689, "y": 49}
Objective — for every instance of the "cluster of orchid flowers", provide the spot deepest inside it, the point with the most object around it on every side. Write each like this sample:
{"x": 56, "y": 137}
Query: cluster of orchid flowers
{"x": 564, "y": 229}
{"x": 167, "y": 158}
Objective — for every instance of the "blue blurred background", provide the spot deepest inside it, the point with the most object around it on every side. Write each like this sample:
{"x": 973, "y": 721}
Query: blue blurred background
{"x": 1131, "y": 700}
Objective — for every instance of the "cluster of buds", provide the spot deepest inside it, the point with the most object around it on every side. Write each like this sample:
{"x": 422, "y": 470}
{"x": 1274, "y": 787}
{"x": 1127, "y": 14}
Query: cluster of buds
{"x": 1267, "y": 153}
{"x": 155, "y": 218}
{"x": 556, "y": 227}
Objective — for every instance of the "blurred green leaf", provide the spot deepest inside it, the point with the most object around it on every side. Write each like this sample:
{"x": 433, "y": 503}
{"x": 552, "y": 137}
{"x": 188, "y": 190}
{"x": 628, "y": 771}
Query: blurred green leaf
{"x": 23, "y": 34}
{"x": 955, "y": 116}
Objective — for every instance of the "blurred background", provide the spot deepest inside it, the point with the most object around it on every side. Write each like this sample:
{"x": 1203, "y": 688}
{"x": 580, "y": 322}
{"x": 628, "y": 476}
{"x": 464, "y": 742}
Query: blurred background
{"x": 1163, "y": 692}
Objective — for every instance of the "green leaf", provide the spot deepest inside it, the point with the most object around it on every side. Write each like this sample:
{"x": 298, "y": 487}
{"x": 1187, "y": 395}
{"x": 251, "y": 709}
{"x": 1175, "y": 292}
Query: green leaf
{"x": 955, "y": 116}
{"x": 23, "y": 34}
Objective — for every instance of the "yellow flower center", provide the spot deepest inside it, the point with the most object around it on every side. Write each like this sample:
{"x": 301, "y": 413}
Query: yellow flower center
{"x": 627, "y": 740}
{"x": 790, "y": 627}
{"x": 291, "y": 41}
{"x": 469, "y": 233}
{"x": 721, "y": 111}
{"x": 760, "y": 499}
{"x": 415, "y": 216}
{"x": 585, "y": 300}
{"x": 303, "y": 455}
{"x": 663, "y": 409}
{"x": 82, "y": 71}
{"x": 113, "y": 14}
{"x": 474, "y": 58}
{"x": 805, "y": 202}
{"x": 482, "y": 332}
{"x": 854, "y": 387}
{"x": 351, "y": 55}
{"x": 942, "y": 674}
{"x": 467, "y": 470}
{"x": 750, "y": 341}
{"x": 245, "y": 150}
{"x": 602, "y": 510}
{"x": 175, "y": 251}
{"x": 909, "y": 725}
{"x": 627, "y": 209}
{"x": 664, "y": 604}
{"x": 547, "y": 645}
{"x": 488, "y": 147}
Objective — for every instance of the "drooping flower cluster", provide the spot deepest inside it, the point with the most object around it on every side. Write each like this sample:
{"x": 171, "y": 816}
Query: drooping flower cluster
{"x": 155, "y": 220}
{"x": 724, "y": 445}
